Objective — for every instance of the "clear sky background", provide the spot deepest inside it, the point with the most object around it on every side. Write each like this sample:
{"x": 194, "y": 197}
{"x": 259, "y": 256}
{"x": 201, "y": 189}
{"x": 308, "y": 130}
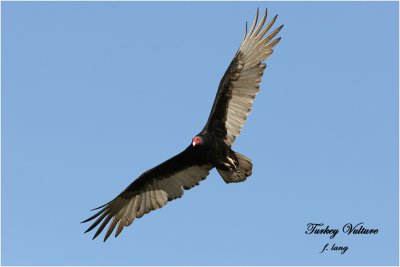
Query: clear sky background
{"x": 94, "y": 94}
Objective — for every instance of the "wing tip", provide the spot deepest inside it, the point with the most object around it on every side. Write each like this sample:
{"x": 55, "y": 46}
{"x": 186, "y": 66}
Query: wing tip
{"x": 99, "y": 207}
{"x": 105, "y": 238}
{"x": 253, "y": 26}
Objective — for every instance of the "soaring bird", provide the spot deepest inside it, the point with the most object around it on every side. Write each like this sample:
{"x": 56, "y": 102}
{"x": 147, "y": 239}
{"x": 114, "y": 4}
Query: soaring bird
{"x": 211, "y": 148}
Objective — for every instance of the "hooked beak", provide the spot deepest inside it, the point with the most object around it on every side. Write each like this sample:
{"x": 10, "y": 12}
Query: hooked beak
{"x": 193, "y": 143}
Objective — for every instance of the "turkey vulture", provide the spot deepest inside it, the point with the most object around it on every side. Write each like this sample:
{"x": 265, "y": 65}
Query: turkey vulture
{"x": 211, "y": 148}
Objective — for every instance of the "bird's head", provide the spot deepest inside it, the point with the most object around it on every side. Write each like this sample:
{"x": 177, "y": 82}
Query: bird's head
{"x": 197, "y": 140}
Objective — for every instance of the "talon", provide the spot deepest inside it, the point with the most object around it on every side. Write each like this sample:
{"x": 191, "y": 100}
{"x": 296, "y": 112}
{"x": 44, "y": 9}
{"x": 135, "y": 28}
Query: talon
{"x": 232, "y": 161}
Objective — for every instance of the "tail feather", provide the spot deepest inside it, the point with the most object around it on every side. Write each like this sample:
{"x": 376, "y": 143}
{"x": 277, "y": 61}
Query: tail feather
{"x": 239, "y": 174}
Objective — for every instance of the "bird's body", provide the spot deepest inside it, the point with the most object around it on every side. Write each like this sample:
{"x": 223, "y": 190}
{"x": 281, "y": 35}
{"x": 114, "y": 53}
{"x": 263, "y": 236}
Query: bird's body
{"x": 211, "y": 148}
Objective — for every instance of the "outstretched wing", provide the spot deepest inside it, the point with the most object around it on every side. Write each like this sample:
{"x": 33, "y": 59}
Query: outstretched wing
{"x": 151, "y": 191}
{"x": 241, "y": 81}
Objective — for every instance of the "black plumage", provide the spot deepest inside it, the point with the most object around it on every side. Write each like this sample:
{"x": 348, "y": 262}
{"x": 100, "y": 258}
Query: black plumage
{"x": 211, "y": 148}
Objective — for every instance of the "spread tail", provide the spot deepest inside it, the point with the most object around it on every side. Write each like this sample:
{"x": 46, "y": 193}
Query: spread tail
{"x": 240, "y": 174}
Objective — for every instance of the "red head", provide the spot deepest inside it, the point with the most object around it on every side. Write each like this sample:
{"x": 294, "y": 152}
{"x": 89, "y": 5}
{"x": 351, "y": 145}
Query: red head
{"x": 197, "y": 140}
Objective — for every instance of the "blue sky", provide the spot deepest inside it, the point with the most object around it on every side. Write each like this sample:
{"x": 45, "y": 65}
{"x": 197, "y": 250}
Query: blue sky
{"x": 94, "y": 94}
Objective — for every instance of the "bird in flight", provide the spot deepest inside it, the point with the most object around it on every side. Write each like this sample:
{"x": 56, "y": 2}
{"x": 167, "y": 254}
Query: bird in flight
{"x": 209, "y": 149}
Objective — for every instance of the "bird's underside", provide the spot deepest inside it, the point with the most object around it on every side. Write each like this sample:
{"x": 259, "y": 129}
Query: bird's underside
{"x": 211, "y": 148}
